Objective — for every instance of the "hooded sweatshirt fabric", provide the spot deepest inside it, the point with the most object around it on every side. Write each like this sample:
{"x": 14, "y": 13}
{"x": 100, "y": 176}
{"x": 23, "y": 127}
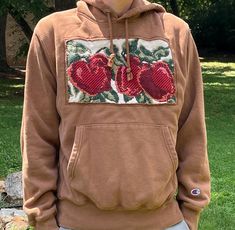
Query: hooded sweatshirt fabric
{"x": 113, "y": 131}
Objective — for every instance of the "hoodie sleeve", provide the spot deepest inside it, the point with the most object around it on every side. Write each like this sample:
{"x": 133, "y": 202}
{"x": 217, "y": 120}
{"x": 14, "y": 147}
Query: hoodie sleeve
{"x": 39, "y": 138}
{"x": 193, "y": 172}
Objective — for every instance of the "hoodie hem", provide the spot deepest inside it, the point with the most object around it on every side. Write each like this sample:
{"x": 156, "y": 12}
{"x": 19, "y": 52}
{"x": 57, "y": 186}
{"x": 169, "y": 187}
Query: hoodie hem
{"x": 89, "y": 217}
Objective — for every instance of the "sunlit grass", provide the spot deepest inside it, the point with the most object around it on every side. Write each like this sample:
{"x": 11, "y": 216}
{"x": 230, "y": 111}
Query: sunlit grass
{"x": 219, "y": 85}
{"x": 11, "y": 101}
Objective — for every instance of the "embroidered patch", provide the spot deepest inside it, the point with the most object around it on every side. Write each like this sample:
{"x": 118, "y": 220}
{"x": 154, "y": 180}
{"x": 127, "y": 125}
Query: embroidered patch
{"x": 195, "y": 192}
{"x": 89, "y": 79}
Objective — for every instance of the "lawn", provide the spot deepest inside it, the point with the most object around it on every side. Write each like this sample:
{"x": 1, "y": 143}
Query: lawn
{"x": 11, "y": 100}
{"x": 219, "y": 83}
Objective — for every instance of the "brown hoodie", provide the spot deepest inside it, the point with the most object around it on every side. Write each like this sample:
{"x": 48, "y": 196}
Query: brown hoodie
{"x": 113, "y": 130}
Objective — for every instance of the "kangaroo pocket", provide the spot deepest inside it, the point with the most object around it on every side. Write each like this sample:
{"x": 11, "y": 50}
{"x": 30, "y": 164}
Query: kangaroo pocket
{"x": 126, "y": 165}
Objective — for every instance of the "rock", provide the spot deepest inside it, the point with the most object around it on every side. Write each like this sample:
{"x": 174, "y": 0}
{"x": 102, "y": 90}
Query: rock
{"x": 13, "y": 185}
{"x": 2, "y": 192}
{"x": 1, "y": 223}
{"x": 2, "y": 186}
{"x": 11, "y": 218}
{"x": 11, "y": 190}
{"x": 11, "y": 212}
{"x": 17, "y": 222}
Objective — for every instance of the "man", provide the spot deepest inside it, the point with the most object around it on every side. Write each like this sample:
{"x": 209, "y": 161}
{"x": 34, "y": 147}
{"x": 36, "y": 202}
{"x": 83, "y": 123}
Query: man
{"x": 113, "y": 131}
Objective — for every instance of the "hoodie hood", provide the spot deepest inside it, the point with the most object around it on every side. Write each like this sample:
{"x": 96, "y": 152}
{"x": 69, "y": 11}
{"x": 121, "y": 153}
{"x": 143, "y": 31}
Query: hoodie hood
{"x": 97, "y": 9}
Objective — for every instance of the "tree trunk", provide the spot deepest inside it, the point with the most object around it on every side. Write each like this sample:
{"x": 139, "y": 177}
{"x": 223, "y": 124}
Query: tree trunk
{"x": 21, "y": 22}
{"x": 3, "y": 59}
{"x": 175, "y": 7}
{"x": 64, "y": 5}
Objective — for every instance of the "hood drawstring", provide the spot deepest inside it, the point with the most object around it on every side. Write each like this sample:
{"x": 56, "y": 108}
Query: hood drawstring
{"x": 129, "y": 73}
{"x": 112, "y": 55}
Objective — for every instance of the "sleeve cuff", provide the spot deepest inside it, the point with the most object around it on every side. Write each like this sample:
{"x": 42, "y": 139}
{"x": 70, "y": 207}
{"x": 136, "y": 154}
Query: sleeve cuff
{"x": 191, "y": 217}
{"x": 47, "y": 224}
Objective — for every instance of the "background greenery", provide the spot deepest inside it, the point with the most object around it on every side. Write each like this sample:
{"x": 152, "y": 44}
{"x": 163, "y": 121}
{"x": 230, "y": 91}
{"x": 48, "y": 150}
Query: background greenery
{"x": 212, "y": 21}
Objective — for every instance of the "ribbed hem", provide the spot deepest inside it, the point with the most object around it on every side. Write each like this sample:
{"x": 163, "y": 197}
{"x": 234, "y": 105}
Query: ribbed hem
{"x": 191, "y": 217}
{"x": 49, "y": 224}
{"x": 90, "y": 217}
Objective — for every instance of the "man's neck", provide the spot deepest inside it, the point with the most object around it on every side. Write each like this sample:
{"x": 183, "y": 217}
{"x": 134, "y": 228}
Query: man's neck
{"x": 118, "y": 6}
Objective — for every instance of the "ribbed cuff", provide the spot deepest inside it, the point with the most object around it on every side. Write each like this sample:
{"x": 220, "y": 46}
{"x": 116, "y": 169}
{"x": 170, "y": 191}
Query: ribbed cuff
{"x": 191, "y": 217}
{"x": 49, "y": 224}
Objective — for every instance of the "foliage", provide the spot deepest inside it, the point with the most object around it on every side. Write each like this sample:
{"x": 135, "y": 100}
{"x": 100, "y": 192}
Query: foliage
{"x": 213, "y": 24}
{"x": 19, "y": 10}
{"x": 38, "y": 8}
{"x": 212, "y": 21}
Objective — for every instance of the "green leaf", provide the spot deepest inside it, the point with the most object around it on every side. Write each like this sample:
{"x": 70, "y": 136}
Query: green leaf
{"x": 81, "y": 96}
{"x": 72, "y": 58}
{"x": 123, "y": 53}
{"x": 115, "y": 48}
{"x": 140, "y": 98}
{"x": 159, "y": 53}
{"x": 137, "y": 52}
{"x": 105, "y": 49}
{"x": 133, "y": 46}
{"x": 77, "y": 47}
{"x": 96, "y": 100}
{"x": 172, "y": 100}
{"x": 127, "y": 98}
{"x": 143, "y": 98}
{"x": 111, "y": 95}
{"x": 84, "y": 97}
{"x": 69, "y": 90}
{"x": 112, "y": 74}
{"x": 114, "y": 93}
{"x": 171, "y": 65}
{"x": 148, "y": 59}
{"x": 147, "y": 98}
{"x": 99, "y": 97}
{"x": 76, "y": 89}
{"x": 119, "y": 60}
{"x": 145, "y": 51}
{"x": 162, "y": 47}
{"x": 76, "y": 51}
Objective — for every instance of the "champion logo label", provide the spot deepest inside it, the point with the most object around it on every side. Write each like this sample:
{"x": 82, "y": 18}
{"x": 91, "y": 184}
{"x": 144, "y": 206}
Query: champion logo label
{"x": 195, "y": 192}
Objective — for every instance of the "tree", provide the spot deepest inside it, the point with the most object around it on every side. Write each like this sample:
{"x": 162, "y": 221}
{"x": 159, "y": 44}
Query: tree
{"x": 212, "y": 21}
{"x": 19, "y": 10}
{"x": 174, "y": 7}
{"x": 64, "y": 5}
{"x": 3, "y": 58}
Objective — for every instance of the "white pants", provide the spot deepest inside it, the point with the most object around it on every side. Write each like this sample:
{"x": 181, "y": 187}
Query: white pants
{"x": 182, "y": 225}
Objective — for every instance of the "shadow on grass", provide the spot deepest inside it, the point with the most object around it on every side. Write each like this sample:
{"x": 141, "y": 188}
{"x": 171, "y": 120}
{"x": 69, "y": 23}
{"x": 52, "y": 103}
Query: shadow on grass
{"x": 10, "y": 87}
{"x": 219, "y": 89}
{"x": 213, "y": 55}
{"x": 222, "y": 59}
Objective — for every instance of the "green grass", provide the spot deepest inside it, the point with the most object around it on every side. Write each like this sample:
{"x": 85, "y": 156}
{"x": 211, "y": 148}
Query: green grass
{"x": 11, "y": 101}
{"x": 219, "y": 85}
